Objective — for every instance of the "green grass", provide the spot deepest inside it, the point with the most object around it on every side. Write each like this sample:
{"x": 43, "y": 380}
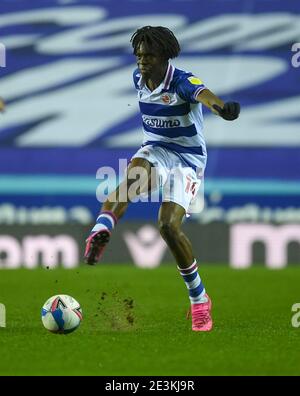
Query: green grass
{"x": 252, "y": 335}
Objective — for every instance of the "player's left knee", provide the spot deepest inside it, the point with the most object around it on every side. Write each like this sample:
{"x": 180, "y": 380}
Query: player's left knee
{"x": 168, "y": 229}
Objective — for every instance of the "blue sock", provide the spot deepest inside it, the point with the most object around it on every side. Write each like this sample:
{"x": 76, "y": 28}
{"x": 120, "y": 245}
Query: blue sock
{"x": 105, "y": 221}
{"x": 193, "y": 283}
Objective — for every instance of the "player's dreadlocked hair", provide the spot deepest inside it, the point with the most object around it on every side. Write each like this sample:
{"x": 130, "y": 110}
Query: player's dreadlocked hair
{"x": 160, "y": 39}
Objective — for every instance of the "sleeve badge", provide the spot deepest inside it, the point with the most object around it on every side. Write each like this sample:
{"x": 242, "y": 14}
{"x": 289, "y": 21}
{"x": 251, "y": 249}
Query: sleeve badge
{"x": 195, "y": 80}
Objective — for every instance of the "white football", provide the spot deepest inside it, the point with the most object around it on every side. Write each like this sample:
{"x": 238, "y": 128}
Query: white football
{"x": 61, "y": 314}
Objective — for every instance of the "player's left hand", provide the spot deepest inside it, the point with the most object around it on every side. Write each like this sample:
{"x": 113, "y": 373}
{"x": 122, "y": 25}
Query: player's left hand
{"x": 230, "y": 111}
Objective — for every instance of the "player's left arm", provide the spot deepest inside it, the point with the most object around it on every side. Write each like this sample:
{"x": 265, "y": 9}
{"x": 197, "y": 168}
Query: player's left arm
{"x": 2, "y": 105}
{"x": 229, "y": 110}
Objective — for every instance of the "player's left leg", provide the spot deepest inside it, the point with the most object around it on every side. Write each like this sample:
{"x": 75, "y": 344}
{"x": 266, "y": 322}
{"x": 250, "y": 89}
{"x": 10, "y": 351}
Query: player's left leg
{"x": 170, "y": 220}
{"x": 178, "y": 192}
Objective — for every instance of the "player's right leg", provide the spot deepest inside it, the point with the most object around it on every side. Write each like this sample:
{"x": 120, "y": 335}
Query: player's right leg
{"x": 137, "y": 180}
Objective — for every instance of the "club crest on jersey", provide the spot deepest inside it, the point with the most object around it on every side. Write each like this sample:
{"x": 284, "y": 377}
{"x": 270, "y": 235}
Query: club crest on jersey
{"x": 166, "y": 98}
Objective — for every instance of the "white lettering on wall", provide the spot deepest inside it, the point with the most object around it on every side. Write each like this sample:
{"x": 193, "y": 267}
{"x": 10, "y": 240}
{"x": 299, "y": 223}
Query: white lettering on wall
{"x": 146, "y": 246}
{"x": 51, "y": 251}
{"x": 275, "y": 239}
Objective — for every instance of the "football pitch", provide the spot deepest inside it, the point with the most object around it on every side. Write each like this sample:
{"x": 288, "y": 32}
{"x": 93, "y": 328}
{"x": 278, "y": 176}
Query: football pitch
{"x": 134, "y": 322}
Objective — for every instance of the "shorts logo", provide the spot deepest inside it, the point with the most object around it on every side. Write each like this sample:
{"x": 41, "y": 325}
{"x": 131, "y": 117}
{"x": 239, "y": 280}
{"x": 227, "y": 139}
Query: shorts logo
{"x": 166, "y": 98}
{"x": 195, "y": 80}
{"x": 190, "y": 185}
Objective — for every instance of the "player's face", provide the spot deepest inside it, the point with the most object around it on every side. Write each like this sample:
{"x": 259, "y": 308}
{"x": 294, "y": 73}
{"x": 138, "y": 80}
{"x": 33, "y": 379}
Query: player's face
{"x": 149, "y": 63}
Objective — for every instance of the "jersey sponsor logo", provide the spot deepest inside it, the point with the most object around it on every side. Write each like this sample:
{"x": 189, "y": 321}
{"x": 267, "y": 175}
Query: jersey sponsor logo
{"x": 159, "y": 123}
{"x": 195, "y": 80}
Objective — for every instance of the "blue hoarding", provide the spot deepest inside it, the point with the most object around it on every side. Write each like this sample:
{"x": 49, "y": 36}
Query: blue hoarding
{"x": 72, "y": 108}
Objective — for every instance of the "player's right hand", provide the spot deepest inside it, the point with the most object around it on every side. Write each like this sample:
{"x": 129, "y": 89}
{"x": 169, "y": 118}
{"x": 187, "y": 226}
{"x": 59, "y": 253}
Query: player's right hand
{"x": 230, "y": 111}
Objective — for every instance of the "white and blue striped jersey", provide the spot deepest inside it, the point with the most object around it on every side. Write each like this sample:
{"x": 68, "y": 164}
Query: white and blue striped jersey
{"x": 172, "y": 117}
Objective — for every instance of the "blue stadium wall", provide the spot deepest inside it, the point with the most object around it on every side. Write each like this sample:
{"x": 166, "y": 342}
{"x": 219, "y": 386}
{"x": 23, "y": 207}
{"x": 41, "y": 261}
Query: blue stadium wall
{"x": 72, "y": 109}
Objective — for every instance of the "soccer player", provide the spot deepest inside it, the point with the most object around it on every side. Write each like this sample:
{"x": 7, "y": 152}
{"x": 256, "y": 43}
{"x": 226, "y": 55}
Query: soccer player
{"x": 170, "y": 102}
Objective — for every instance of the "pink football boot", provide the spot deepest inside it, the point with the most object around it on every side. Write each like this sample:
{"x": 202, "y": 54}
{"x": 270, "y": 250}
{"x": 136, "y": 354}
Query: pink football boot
{"x": 95, "y": 245}
{"x": 201, "y": 316}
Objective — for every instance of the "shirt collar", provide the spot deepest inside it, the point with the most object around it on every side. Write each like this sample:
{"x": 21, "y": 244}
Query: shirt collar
{"x": 167, "y": 80}
{"x": 169, "y": 76}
